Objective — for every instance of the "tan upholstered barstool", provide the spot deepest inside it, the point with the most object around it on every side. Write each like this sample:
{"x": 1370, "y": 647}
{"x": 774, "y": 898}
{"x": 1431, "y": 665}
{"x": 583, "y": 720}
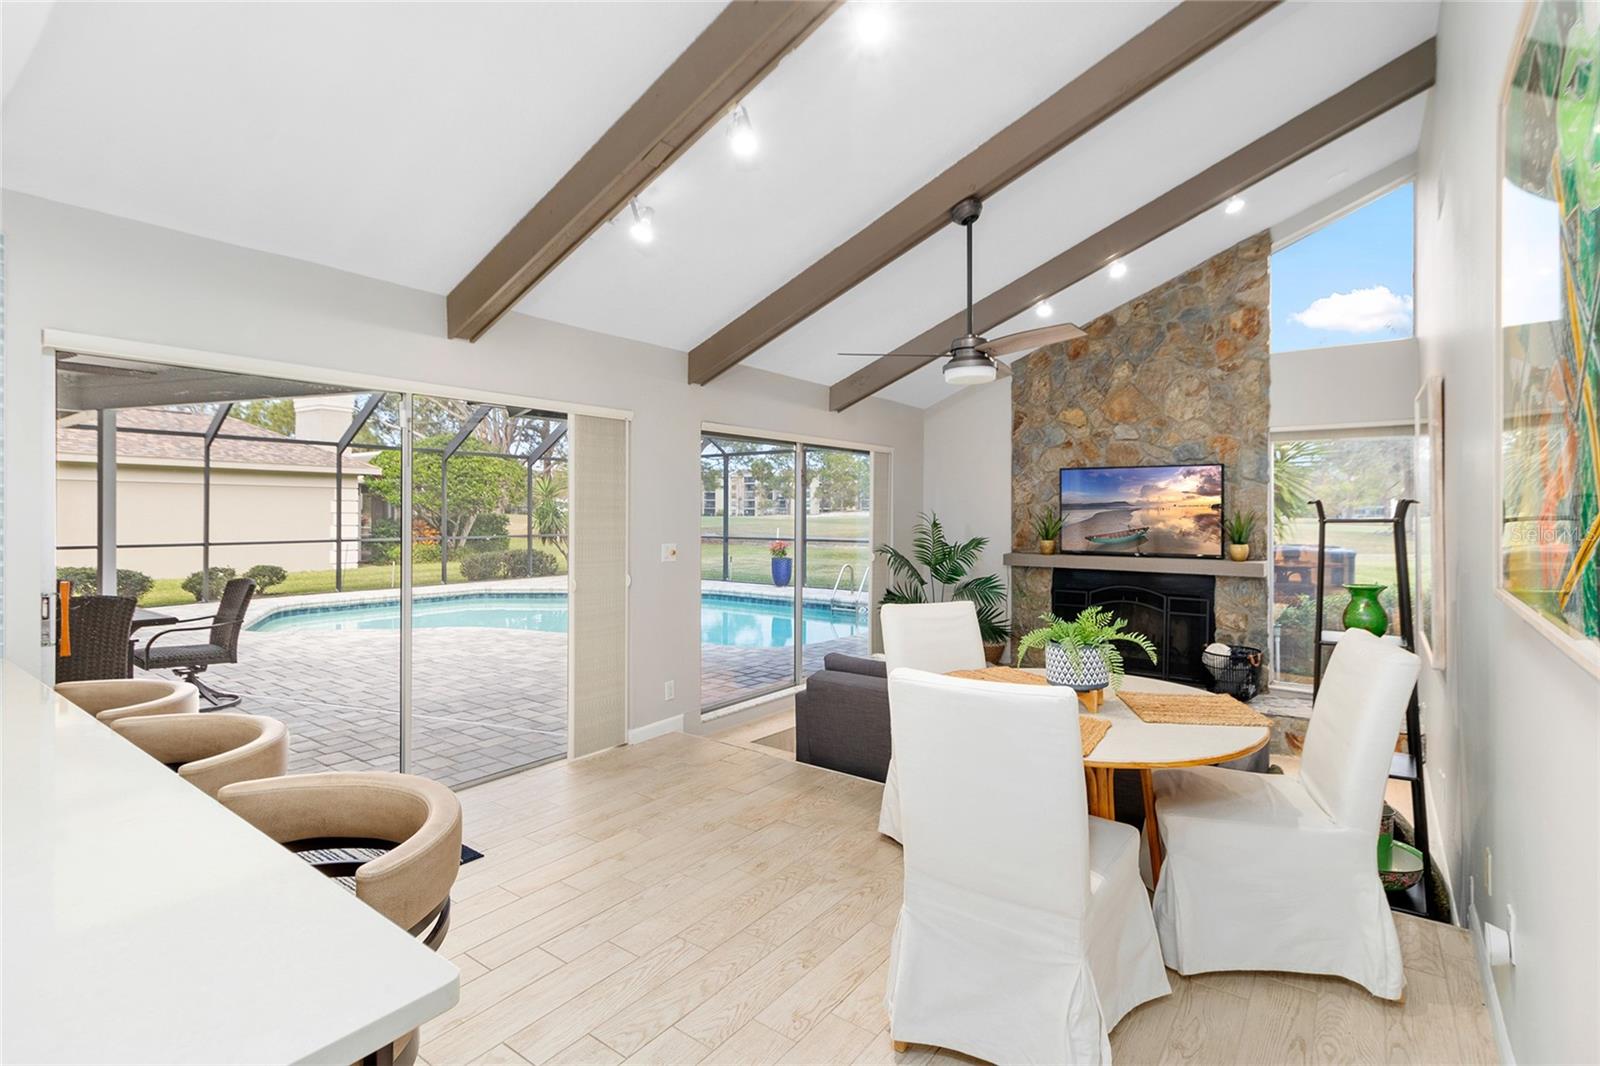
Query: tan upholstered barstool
{"x": 395, "y": 838}
{"x": 131, "y": 697}
{"x": 212, "y": 750}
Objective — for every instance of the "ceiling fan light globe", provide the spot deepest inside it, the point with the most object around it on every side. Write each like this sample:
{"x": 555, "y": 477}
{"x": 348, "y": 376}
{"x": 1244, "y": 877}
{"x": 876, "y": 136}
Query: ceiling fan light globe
{"x": 964, "y": 372}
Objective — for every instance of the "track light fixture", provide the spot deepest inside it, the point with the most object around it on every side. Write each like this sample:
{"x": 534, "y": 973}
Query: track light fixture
{"x": 643, "y": 230}
{"x": 742, "y": 137}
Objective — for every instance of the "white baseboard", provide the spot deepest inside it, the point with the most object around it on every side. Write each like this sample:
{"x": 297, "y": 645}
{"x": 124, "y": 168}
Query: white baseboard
{"x": 656, "y": 729}
{"x": 1491, "y": 993}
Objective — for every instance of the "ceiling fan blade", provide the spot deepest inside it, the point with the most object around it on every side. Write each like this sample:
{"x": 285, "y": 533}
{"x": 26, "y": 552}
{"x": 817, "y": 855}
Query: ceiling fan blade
{"x": 1001, "y": 370}
{"x": 1029, "y": 339}
{"x": 894, "y": 355}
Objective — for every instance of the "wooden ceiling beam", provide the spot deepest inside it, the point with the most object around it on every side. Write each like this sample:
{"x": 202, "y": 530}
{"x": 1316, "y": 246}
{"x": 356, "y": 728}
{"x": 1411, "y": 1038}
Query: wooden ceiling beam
{"x": 1138, "y": 65}
{"x": 729, "y": 58}
{"x": 1388, "y": 86}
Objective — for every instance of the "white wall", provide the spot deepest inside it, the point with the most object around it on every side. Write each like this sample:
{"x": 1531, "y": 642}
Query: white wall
{"x": 966, "y": 472}
{"x": 1513, "y": 725}
{"x": 1347, "y": 385}
{"x": 77, "y": 270}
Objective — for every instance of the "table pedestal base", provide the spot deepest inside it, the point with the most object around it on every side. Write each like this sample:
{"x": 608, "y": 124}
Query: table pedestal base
{"x": 1100, "y": 782}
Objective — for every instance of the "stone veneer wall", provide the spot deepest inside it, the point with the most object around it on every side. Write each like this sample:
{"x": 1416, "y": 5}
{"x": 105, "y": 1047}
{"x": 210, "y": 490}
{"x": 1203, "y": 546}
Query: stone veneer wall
{"x": 1177, "y": 375}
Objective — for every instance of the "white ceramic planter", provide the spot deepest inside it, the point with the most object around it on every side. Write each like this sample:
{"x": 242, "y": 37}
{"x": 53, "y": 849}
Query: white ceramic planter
{"x": 1089, "y": 674}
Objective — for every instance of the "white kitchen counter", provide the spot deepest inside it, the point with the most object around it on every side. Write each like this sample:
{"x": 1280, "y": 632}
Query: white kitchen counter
{"x": 141, "y": 921}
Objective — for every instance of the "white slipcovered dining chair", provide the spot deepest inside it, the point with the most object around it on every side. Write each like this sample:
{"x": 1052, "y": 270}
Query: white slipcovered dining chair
{"x": 1268, "y": 872}
{"x": 1025, "y": 932}
{"x": 938, "y": 637}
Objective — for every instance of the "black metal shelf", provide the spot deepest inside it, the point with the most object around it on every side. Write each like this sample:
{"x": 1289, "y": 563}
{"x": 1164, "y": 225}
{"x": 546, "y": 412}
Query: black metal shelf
{"x": 1406, "y": 765}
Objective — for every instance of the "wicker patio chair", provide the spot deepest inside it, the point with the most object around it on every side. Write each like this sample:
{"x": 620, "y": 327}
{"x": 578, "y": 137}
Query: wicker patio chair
{"x": 99, "y": 628}
{"x": 189, "y": 661}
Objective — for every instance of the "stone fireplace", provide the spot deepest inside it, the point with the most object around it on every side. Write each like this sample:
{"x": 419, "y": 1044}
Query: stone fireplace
{"x": 1177, "y": 375}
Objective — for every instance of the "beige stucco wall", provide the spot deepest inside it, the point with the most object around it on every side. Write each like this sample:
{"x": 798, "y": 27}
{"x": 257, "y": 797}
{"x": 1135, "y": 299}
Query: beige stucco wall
{"x": 164, "y": 504}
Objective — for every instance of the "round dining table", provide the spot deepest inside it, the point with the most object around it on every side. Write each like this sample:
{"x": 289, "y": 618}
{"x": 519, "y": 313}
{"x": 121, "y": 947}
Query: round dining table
{"x": 1134, "y": 744}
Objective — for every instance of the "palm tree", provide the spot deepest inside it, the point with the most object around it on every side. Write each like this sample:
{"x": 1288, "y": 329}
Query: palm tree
{"x": 1293, "y": 467}
{"x": 549, "y": 508}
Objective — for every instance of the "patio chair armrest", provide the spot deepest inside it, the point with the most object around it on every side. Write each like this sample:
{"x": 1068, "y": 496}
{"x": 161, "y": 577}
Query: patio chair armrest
{"x": 187, "y": 629}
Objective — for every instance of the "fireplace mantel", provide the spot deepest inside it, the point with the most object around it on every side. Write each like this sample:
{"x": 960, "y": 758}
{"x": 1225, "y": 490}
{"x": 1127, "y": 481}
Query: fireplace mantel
{"x": 1141, "y": 564}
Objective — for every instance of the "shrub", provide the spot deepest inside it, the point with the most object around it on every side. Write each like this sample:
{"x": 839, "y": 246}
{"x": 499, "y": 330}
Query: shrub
{"x": 484, "y": 566}
{"x": 86, "y": 581}
{"x": 422, "y": 553}
{"x": 266, "y": 575}
{"x": 220, "y": 576}
{"x": 494, "y": 525}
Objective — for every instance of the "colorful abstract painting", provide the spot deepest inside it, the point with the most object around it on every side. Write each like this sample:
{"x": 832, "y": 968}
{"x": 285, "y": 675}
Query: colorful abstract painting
{"x": 1550, "y": 304}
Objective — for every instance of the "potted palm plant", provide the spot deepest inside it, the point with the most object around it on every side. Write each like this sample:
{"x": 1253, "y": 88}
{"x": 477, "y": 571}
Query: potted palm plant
{"x": 1047, "y": 524}
{"x": 949, "y": 566}
{"x": 782, "y": 565}
{"x": 1238, "y": 530}
{"x": 1082, "y": 653}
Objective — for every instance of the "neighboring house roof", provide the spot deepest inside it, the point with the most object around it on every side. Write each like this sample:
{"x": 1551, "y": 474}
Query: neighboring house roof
{"x": 265, "y": 448}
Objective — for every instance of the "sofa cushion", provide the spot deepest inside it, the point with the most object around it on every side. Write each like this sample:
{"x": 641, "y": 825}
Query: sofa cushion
{"x": 855, "y": 664}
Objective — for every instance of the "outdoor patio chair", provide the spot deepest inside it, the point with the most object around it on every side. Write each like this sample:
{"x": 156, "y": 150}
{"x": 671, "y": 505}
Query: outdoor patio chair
{"x": 190, "y": 660}
{"x": 97, "y": 634}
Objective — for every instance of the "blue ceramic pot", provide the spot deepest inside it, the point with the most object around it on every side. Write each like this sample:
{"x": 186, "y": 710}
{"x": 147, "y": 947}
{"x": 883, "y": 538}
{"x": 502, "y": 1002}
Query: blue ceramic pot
{"x": 782, "y": 570}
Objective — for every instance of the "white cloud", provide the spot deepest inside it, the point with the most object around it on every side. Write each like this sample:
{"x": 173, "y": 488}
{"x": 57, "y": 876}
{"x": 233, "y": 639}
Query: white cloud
{"x": 1361, "y": 311}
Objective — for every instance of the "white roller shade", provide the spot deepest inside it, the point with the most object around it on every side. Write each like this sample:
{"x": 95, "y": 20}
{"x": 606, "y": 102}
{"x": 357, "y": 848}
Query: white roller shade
{"x": 597, "y": 623}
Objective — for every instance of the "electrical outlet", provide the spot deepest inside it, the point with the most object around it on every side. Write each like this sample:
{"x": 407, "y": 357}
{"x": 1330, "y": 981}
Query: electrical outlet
{"x": 1488, "y": 872}
{"x": 669, "y": 553}
{"x": 669, "y": 691}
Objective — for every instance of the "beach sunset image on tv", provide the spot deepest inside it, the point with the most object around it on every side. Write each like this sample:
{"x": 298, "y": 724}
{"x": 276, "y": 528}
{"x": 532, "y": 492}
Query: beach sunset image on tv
{"x": 1142, "y": 510}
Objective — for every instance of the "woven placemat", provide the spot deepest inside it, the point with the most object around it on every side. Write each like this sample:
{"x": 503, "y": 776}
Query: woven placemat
{"x": 1008, "y": 674}
{"x": 1209, "y": 708}
{"x": 1093, "y": 729}
{"x": 1090, "y": 727}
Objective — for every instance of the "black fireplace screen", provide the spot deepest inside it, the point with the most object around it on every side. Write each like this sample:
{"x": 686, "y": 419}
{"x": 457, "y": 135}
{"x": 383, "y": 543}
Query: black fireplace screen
{"x": 1176, "y": 611}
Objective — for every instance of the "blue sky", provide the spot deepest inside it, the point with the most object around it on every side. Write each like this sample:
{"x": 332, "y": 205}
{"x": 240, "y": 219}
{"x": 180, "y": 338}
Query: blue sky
{"x": 1349, "y": 282}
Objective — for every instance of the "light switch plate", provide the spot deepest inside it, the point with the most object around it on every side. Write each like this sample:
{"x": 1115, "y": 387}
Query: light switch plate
{"x": 669, "y": 553}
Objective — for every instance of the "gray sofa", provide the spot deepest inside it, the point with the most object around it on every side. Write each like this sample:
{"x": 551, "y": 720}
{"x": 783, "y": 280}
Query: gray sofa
{"x": 841, "y": 722}
{"x": 841, "y": 717}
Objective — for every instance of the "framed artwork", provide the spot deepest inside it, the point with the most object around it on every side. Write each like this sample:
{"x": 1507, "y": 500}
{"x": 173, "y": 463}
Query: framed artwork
{"x": 1427, "y": 536}
{"x": 1548, "y": 377}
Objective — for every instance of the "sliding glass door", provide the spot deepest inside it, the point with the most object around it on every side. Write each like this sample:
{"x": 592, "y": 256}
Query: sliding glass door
{"x": 785, "y": 562}
{"x": 408, "y": 555}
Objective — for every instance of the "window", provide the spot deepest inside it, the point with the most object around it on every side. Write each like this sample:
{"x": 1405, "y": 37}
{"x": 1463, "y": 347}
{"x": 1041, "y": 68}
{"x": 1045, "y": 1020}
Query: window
{"x": 708, "y": 503}
{"x": 1349, "y": 282}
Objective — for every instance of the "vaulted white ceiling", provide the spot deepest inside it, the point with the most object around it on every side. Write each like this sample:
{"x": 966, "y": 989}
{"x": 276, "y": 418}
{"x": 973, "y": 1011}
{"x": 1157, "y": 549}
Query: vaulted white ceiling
{"x": 400, "y": 141}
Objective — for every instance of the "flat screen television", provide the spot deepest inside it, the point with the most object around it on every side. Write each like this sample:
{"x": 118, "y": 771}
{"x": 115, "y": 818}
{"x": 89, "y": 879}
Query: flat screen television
{"x": 1142, "y": 510}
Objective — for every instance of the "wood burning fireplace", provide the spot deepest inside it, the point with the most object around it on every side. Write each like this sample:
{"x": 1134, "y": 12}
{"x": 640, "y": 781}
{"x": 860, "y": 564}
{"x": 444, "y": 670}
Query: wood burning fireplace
{"x": 1176, "y": 611}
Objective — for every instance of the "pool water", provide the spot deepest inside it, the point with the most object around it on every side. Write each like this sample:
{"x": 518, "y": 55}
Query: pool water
{"x": 739, "y": 621}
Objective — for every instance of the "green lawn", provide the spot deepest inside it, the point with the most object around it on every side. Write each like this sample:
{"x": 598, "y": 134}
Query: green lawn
{"x": 1373, "y": 545}
{"x": 168, "y": 591}
{"x": 840, "y": 524}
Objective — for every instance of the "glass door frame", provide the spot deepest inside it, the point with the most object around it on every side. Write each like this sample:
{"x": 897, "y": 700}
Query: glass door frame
{"x": 800, "y": 446}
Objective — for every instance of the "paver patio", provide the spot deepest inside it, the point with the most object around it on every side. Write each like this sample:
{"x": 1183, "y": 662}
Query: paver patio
{"x": 484, "y": 700}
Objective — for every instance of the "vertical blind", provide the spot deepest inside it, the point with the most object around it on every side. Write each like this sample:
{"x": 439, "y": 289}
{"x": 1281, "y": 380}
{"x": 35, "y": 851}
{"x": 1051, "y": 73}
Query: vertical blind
{"x": 598, "y": 582}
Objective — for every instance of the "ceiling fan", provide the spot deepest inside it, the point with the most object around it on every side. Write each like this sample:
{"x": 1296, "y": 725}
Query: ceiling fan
{"x": 974, "y": 359}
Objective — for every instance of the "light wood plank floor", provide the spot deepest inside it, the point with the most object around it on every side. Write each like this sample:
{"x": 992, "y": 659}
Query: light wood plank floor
{"x": 695, "y": 900}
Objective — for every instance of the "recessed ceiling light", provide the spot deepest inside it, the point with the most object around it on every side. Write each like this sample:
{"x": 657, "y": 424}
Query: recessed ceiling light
{"x": 742, "y": 137}
{"x": 1043, "y": 309}
{"x": 1118, "y": 269}
{"x": 871, "y": 24}
{"x": 1234, "y": 206}
{"x": 643, "y": 230}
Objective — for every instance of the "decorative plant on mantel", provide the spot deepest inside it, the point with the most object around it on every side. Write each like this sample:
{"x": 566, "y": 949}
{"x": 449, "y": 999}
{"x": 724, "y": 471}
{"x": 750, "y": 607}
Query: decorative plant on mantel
{"x": 1239, "y": 529}
{"x": 1047, "y": 524}
{"x": 948, "y": 566}
{"x": 1082, "y": 653}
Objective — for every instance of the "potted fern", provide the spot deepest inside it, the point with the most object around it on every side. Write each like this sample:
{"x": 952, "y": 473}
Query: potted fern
{"x": 1082, "y": 653}
{"x": 1238, "y": 530}
{"x": 1047, "y": 524}
{"x": 949, "y": 566}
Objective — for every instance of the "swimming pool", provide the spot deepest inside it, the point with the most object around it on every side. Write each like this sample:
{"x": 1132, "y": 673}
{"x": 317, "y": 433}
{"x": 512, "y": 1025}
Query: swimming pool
{"x": 725, "y": 618}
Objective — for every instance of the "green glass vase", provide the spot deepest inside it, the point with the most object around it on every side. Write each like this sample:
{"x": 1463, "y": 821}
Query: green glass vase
{"x": 1364, "y": 611}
